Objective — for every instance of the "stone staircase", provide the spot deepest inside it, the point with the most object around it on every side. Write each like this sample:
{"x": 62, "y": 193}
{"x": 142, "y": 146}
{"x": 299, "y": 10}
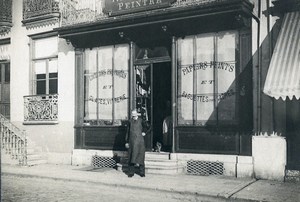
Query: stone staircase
{"x": 35, "y": 155}
{"x": 16, "y": 148}
{"x": 156, "y": 163}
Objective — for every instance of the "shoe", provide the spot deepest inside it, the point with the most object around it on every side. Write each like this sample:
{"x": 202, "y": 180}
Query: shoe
{"x": 142, "y": 175}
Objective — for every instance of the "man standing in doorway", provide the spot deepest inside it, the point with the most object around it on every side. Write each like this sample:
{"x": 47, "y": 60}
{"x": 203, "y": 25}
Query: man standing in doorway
{"x": 135, "y": 144}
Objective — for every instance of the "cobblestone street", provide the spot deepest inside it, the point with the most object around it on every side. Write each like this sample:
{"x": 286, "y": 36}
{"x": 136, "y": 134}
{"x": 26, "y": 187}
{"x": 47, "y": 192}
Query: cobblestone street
{"x": 18, "y": 189}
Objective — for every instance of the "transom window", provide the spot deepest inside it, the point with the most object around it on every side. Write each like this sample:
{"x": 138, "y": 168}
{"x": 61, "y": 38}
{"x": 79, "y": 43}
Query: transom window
{"x": 206, "y": 79}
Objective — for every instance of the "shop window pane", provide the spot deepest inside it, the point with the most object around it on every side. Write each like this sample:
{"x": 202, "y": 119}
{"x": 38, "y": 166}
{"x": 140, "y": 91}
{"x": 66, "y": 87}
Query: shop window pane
{"x": 105, "y": 84}
{"x": 90, "y": 77}
{"x": 205, "y": 79}
{"x": 121, "y": 64}
{"x": 185, "y": 84}
{"x": 226, "y": 65}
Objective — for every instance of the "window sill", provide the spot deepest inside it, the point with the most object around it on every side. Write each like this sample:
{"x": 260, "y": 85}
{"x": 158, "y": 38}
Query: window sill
{"x": 40, "y": 122}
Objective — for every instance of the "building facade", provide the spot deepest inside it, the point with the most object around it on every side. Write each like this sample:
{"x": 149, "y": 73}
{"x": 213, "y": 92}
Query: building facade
{"x": 195, "y": 70}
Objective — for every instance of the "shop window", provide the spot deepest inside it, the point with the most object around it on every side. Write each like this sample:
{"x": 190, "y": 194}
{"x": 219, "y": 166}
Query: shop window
{"x": 207, "y": 79}
{"x": 45, "y": 67}
{"x": 106, "y": 85}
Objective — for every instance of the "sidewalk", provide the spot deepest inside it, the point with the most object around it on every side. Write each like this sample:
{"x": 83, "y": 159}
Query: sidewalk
{"x": 209, "y": 186}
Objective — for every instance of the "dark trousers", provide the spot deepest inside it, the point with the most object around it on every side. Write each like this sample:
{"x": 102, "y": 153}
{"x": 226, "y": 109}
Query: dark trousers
{"x": 131, "y": 169}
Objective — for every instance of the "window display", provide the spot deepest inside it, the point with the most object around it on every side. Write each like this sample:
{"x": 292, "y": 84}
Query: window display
{"x": 206, "y": 78}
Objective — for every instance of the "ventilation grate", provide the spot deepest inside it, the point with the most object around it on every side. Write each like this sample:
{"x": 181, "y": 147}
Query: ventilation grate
{"x": 205, "y": 167}
{"x": 292, "y": 175}
{"x": 103, "y": 162}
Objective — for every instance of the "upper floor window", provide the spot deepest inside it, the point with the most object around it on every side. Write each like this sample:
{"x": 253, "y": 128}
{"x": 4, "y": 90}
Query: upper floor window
{"x": 207, "y": 79}
{"x": 45, "y": 68}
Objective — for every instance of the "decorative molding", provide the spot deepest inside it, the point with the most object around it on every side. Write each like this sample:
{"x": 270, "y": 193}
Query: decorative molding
{"x": 43, "y": 35}
{"x": 40, "y": 13}
{"x": 80, "y": 12}
{"x": 5, "y": 17}
{"x": 36, "y": 8}
{"x": 36, "y": 23}
{"x": 4, "y": 30}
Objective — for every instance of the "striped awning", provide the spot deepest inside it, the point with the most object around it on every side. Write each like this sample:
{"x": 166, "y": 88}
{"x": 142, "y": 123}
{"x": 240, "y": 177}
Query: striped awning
{"x": 283, "y": 78}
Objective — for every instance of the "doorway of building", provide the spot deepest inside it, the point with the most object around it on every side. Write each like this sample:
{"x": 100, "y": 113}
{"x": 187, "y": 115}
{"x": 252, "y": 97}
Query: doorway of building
{"x": 153, "y": 101}
{"x": 293, "y": 134}
{"x": 162, "y": 105}
{"x": 5, "y": 89}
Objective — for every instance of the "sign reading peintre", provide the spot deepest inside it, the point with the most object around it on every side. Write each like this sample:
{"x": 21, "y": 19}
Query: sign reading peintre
{"x": 119, "y": 7}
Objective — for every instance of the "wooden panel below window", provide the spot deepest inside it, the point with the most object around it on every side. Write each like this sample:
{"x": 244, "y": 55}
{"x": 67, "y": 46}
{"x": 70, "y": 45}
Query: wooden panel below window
{"x": 110, "y": 138}
{"x": 211, "y": 141}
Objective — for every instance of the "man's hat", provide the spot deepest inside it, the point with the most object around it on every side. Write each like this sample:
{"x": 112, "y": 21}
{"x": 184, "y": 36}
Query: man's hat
{"x": 135, "y": 113}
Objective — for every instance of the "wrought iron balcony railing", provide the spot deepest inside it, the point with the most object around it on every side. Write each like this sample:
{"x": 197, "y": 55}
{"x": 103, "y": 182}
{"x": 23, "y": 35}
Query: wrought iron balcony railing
{"x": 40, "y": 8}
{"x": 5, "y": 15}
{"x": 13, "y": 140}
{"x": 41, "y": 109}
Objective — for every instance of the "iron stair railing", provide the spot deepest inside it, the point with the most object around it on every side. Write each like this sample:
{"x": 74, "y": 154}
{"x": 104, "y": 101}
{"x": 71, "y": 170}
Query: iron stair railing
{"x": 13, "y": 140}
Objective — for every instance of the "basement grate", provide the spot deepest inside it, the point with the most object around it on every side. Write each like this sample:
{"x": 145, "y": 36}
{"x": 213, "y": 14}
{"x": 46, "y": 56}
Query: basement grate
{"x": 292, "y": 175}
{"x": 205, "y": 167}
{"x": 103, "y": 162}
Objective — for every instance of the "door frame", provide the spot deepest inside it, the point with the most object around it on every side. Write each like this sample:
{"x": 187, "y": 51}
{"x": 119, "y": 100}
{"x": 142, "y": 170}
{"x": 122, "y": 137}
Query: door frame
{"x": 133, "y": 100}
{"x": 173, "y": 60}
{"x": 5, "y": 105}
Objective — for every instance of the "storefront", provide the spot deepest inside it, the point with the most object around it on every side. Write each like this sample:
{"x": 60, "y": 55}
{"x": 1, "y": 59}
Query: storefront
{"x": 186, "y": 66}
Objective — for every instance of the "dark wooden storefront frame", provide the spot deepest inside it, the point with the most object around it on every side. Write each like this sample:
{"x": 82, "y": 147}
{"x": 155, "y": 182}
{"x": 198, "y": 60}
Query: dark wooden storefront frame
{"x": 113, "y": 137}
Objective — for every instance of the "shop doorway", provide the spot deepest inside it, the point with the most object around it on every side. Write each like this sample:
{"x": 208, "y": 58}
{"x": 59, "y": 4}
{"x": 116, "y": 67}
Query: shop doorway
{"x": 162, "y": 105}
{"x": 153, "y": 101}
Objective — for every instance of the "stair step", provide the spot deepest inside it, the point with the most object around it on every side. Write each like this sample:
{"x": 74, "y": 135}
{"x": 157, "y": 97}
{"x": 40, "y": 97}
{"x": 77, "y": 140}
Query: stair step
{"x": 157, "y": 155}
{"x": 8, "y": 160}
{"x": 36, "y": 162}
{"x": 35, "y": 157}
{"x": 170, "y": 171}
{"x": 162, "y": 163}
{"x": 157, "y": 167}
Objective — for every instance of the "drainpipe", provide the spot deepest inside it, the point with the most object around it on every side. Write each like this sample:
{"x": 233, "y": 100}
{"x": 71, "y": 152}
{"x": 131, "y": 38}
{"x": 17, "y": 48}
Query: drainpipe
{"x": 174, "y": 92}
{"x": 258, "y": 100}
{"x": 270, "y": 50}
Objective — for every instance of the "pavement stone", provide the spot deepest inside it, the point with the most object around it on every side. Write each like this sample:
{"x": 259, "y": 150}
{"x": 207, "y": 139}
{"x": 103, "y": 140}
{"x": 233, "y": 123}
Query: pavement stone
{"x": 209, "y": 186}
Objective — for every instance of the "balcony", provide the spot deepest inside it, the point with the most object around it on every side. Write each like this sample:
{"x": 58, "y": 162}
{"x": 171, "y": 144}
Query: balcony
{"x": 5, "y": 16}
{"x": 37, "y": 11}
{"x": 41, "y": 109}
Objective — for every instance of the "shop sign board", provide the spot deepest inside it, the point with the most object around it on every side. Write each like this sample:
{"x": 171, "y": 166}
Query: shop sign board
{"x": 120, "y": 7}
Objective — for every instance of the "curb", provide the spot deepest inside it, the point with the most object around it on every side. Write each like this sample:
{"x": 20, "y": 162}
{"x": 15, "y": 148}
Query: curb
{"x": 223, "y": 196}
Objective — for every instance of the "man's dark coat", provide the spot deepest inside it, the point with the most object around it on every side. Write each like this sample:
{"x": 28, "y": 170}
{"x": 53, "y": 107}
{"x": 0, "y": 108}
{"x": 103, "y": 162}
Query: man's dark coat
{"x": 136, "y": 151}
